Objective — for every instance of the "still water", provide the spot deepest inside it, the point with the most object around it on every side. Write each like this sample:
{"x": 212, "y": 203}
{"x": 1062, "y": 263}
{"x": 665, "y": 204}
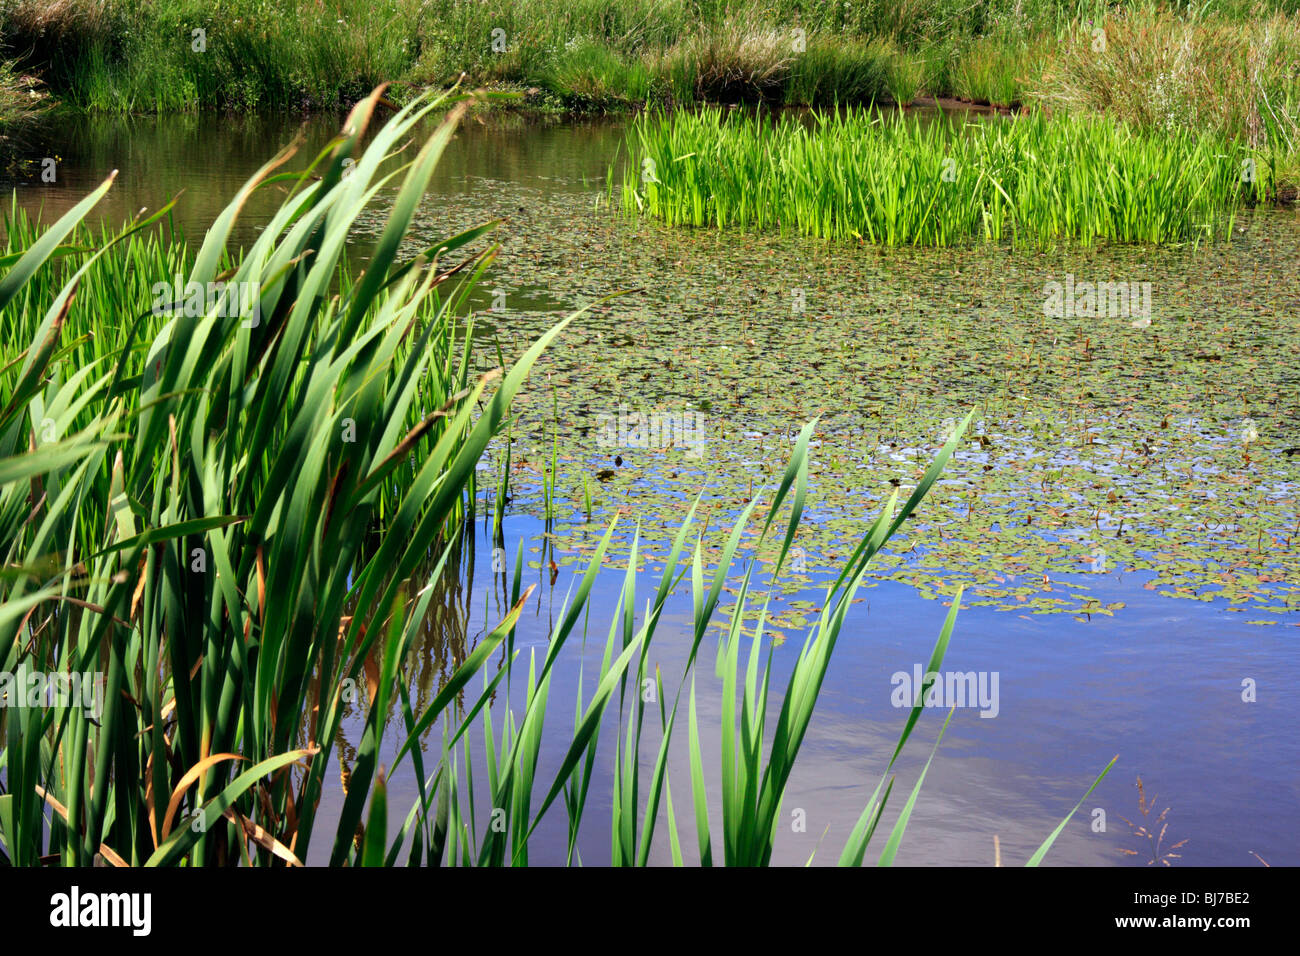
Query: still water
{"x": 1125, "y": 524}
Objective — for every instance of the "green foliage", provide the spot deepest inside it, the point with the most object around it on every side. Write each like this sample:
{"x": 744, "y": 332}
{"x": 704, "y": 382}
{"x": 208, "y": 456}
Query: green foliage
{"x": 900, "y": 180}
{"x": 209, "y": 510}
{"x": 21, "y": 96}
{"x": 1165, "y": 72}
{"x": 189, "y": 503}
{"x": 117, "y": 55}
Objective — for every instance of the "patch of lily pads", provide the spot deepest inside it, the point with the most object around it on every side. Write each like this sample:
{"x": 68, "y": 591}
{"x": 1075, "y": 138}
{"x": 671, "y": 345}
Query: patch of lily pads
{"x": 1163, "y": 446}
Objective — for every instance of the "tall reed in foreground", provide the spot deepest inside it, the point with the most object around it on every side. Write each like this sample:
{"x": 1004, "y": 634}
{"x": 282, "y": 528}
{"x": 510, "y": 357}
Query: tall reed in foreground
{"x": 447, "y": 825}
{"x": 211, "y": 511}
{"x": 189, "y": 510}
{"x": 900, "y": 180}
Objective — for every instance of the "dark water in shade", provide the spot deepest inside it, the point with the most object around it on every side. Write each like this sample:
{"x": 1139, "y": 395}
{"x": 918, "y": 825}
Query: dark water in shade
{"x": 205, "y": 159}
{"x": 1159, "y": 682}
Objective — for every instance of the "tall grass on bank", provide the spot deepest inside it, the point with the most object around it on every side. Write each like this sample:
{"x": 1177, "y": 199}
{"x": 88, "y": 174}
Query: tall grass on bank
{"x": 21, "y": 96}
{"x": 1158, "y": 70}
{"x": 176, "y": 56}
{"x": 190, "y": 512}
{"x": 120, "y": 55}
{"x": 899, "y": 180}
{"x": 994, "y": 70}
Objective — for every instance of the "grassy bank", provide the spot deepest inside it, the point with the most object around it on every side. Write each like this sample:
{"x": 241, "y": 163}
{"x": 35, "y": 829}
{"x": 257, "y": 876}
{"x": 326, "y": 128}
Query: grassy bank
{"x": 21, "y": 96}
{"x": 1226, "y": 66}
{"x": 897, "y": 180}
{"x": 115, "y": 55}
{"x": 1238, "y": 79}
{"x": 225, "y": 513}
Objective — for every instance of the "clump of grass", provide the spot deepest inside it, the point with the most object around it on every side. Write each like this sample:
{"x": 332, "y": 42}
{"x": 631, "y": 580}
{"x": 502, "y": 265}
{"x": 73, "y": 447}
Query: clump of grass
{"x": 59, "y": 21}
{"x": 832, "y": 70}
{"x": 589, "y": 74}
{"x": 1152, "y": 831}
{"x": 22, "y": 96}
{"x": 116, "y": 56}
{"x": 904, "y": 75}
{"x": 1161, "y": 71}
{"x": 991, "y": 71}
{"x": 740, "y": 58}
{"x": 896, "y": 180}
{"x": 189, "y": 510}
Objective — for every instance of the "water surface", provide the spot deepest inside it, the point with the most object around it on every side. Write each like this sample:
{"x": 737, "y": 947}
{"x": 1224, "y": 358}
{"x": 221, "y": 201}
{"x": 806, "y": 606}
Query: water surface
{"x": 1124, "y": 520}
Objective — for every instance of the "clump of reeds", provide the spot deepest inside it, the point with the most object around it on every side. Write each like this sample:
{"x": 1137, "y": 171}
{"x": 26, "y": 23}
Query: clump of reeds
{"x": 190, "y": 499}
{"x": 900, "y": 180}
{"x": 992, "y": 71}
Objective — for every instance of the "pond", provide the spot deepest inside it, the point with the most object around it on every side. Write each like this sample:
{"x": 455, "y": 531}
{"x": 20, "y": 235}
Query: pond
{"x": 1123, "y": 521}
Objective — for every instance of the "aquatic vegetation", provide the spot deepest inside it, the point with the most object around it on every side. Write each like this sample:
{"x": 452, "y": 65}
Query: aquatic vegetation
{"x": 1093, "y": 434}
{"x": 119, "y": 56}
{"x": 192, "y": 509}
{"x": 1152, "y": 832}
{"x": 755, "y": 764}
{"x": 898, "y": 180}
{"x": 188, "y": 510}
